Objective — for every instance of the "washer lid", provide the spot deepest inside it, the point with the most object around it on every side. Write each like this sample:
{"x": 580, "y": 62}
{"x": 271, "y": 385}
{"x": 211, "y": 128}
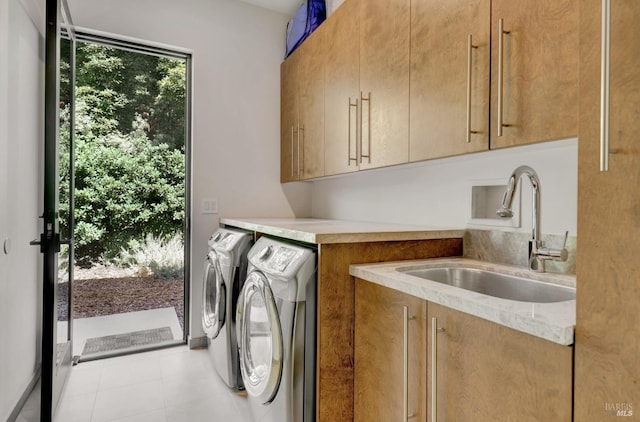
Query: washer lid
{"x": 213, "y": 297}
{"x": 259, "y": 338}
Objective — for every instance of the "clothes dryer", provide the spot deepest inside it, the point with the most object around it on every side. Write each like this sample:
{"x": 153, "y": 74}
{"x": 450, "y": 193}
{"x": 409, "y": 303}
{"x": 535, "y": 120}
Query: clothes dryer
{"x": 276, "y": 317}
{"x": 224, "y": 274}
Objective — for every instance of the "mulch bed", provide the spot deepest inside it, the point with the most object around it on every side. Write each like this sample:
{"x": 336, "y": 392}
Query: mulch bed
{"x": 108, "y": 296}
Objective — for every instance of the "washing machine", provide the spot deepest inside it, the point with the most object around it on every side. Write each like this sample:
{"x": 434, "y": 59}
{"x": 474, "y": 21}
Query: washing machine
{"x": 224, "y": 274}
{"x": 276, "y": 317}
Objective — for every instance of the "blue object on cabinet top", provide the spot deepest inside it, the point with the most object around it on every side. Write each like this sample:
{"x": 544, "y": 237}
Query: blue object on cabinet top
{"x": 309, "y": 16}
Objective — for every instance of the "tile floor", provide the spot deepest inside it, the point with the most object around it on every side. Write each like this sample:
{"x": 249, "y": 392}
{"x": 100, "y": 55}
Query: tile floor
{"x": 169, "y": 385}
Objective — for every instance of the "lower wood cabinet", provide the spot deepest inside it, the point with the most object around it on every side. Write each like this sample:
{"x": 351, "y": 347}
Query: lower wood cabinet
{"x": 336, "y": 325}
{"x": 488, "y": 372}
{"x": 390, "y": 355}
{"x": 482, "y": 372}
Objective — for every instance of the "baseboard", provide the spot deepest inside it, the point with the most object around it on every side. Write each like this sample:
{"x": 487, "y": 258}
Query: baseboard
{"x": 25, "y": 396}
{"x": 197, "y": 342}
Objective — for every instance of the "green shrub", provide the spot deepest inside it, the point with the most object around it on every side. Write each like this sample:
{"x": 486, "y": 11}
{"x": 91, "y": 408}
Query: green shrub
{"x": 125, "y": 187}
{"x": 129, "y": 149}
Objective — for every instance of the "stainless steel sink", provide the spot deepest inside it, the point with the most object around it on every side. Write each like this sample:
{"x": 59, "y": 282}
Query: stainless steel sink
{"x": 495, "y": 284}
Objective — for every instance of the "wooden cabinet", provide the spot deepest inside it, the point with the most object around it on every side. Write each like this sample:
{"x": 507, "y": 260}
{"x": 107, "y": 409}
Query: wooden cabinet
{"x": 607, "y": 340}
{"x": 384, "y": 82}
{"x": 534, "y": 76}
{"x": 450, "y": 55}
{"x": 390, "y": 354}
{"x": 488, "y": 372}
{"x": 463, "y": 75}
{"x": 336, "y": 307}
{"x": 302, "y": 111}
{"x": 311, "y": 89}
{"x": 342, "y": 76}
{"x": 289, "y": 118}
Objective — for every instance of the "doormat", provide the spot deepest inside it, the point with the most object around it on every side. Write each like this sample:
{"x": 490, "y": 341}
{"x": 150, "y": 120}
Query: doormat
{"x": 123, "y": 341}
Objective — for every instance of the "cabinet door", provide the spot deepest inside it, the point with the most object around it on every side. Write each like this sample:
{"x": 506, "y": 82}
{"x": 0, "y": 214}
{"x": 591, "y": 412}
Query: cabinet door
{"x": 311, "y": 106}
{"x": 289, "y": 165}
{"x": 384, "y": 82}
{"x": 380, "y": 354}
{"x": 342, "y": 78}
{"x": 449, "y": 106}
{"x": 488, "y": 372}
{"x": 607, "y": 342}
{"x": 539, "y": 62}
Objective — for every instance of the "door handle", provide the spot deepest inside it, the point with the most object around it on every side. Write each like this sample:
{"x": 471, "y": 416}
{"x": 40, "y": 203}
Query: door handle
{"x": 368, "y": 100}
{"x": 351, "y": 105}
{"x": 434, "y": 368}
{"x": 605, "y": 82}
{"x": 470, "y": 48}
{"x": 501, "y": 35}
{"x": 44, "y": 242}
{"x": 405, "y": 347}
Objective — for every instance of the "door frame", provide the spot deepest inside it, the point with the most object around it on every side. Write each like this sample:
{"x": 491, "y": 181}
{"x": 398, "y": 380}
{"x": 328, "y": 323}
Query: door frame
{"x": 54, "y": 375}
{"x": 137, "y": 45}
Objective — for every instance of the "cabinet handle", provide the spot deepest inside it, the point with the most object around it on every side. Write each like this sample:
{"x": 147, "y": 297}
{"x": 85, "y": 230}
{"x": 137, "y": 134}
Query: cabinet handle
{"x": 368, "y": 100}
{"x": 470, "y": 48}
{"x": 434, "y": 368}
{"x": 405, "y": 346}
{"x": 349, "y": 137}
{"x": 300, "y": 136}
{"x": 500, "y": 73}
{"x": 292, "y": 172}
{"x": 605, "y": 75}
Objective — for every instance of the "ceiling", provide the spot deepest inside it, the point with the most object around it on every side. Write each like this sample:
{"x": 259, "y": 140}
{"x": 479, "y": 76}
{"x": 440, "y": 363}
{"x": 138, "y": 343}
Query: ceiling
{"x": 287, "y": 7}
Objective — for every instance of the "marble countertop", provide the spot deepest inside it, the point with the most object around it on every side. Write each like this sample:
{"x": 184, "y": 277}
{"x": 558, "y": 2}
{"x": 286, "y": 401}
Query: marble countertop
{"x": 552, "y": 321}
{"x": 319, "y": 231}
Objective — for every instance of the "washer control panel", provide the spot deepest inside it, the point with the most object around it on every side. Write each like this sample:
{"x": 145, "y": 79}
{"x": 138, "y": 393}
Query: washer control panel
{"x": 264, "y": 253}
{"x": 277, "y": 257}
{"x": 281, "y": 259}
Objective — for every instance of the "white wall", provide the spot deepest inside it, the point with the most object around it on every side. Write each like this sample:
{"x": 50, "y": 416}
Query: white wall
{"x": 438, "y": 192}
{"x": 332, "y": 5}
{"x": 237, "y": 51}
{"x": 21, "y": 134}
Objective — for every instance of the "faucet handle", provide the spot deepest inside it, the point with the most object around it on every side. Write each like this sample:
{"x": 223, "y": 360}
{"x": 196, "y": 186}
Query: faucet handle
{"x": 564, "y": 242}
{"x": 561, "y": 254}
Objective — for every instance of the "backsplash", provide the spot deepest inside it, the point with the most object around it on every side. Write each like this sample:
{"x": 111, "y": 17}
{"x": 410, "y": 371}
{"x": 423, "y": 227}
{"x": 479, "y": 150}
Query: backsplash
{"x": 513, "y": 247}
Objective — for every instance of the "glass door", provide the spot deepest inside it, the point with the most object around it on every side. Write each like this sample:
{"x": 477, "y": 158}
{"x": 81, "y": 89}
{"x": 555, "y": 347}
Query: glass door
{"x": 56, "y": 318}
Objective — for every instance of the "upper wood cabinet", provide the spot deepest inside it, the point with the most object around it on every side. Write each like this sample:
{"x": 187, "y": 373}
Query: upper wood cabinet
{"x": 384, "y": 82}
{"x": 534, "y": 71}
{"x": 390, "y": 354}
{"x": 311, "y": 102}
{"x": 289, "y": 119}
{"x": 607, "y": 340}
{"x": 302, "y": 111}
{"x": 342, "y": 89}
{"x": 488, "y": 372}
{"x": 450, "y": 56}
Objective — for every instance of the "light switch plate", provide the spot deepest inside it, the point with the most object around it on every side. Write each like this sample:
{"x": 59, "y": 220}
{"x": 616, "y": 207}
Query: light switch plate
{"x": 210, "y": 206}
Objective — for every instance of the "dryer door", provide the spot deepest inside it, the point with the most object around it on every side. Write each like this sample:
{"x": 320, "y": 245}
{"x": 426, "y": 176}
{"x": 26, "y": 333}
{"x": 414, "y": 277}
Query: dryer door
{"x": 214, "y": 297}
{"x": 260, "y": 338}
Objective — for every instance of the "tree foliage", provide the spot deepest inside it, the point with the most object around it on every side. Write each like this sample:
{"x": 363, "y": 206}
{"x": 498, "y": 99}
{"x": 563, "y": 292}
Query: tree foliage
{"x": 129, "y": 149}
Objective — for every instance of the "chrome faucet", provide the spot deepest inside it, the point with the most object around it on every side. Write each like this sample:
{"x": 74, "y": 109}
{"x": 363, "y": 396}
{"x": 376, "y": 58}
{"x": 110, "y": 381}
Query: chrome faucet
{"x": 538, "y": 253}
